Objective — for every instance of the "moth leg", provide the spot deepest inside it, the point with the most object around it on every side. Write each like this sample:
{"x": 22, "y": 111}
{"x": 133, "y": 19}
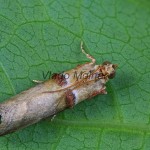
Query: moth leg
{"x": 87, "y": 55}
{"x": 37, "y": 81}
{"x": 53, "y": 117}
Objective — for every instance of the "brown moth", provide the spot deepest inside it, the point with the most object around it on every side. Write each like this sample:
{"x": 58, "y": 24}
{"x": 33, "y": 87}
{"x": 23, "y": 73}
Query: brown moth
{"x": 54, "y": 95}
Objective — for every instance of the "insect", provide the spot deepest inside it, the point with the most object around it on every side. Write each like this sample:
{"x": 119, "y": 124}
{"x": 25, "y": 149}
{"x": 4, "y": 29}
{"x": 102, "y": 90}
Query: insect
{"x": 86, "y": 75}
{"x": 62, "y": 91}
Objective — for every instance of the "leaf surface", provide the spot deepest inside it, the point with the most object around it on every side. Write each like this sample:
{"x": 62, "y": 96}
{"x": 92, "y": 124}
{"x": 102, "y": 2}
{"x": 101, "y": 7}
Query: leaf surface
{"x": 42, "y": 36}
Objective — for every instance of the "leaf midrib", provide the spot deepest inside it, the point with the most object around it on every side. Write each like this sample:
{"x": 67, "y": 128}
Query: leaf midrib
{"x": 128, "y": 127}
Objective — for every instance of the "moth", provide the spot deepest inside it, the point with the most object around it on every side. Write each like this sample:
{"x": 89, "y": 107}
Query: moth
{"x": 62, "y": 91}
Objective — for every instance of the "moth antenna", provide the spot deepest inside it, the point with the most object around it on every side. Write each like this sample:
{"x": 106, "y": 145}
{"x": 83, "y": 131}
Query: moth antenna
{"x": 76, "y": 84}
{"x": 61, "y": 89}
{"x": 87, "y": 55}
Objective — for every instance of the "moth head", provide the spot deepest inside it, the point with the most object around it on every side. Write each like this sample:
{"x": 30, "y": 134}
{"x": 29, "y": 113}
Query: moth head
{"x": 109, "y": 69}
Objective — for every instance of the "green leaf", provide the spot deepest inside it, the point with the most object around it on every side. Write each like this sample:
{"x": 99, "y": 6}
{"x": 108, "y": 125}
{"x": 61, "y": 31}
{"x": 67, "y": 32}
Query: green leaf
{"x": 38, "y": 36}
